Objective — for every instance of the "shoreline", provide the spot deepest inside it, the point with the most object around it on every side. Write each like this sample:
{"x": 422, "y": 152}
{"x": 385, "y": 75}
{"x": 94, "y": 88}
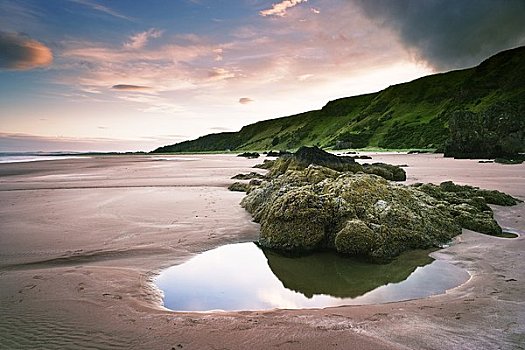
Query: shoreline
{"x": 96, "y": 289}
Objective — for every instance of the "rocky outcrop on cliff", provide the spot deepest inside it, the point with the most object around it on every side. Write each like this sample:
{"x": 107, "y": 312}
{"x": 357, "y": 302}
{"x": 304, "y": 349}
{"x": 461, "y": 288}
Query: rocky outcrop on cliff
{"x": 498, "y": 132}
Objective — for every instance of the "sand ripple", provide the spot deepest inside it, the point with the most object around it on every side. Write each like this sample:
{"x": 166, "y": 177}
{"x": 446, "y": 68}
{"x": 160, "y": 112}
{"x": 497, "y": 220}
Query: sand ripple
{"x": 27, "y": 330}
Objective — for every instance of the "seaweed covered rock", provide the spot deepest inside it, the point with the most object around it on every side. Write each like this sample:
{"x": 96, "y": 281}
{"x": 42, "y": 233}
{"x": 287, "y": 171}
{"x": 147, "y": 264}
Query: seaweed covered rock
{"x": 363, "y": 214}
{"x": 470, "y": 219}
{"x": 314, "y": 155}
{"x": 249, "y": 155}
{"x": 244, "y": 186}
{"x": 469, "y": 205}
{"x": 456, "y": 194}
{"x": 355, "y": 238}
{"x": 249, "y": 176}
{"x": 296, "y": 221}
{"x": 266, "y": 164}
{"x": 517, "y": 159}
{"x": 306, "y": 156}
{"x": 277, "y": 154}
{"x": 239, "y": 187}
{"x": 387, "y": 171}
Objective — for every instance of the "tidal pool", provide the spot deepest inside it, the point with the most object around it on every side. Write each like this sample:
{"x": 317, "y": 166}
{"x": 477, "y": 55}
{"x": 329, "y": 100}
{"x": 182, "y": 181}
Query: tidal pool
{"x": 245, "y": 277}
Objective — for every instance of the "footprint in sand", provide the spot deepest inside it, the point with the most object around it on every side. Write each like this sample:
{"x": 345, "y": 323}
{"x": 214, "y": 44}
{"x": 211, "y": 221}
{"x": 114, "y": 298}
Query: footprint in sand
{"x": 80, "y": 287}
{"x": 26, "y": 288}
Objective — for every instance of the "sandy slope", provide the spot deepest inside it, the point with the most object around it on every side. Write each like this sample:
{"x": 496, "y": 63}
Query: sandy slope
{"x": 80, "y": 240}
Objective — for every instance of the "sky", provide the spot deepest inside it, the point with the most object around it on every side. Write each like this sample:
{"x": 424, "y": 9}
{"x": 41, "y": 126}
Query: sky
{"x": 123, "y": 75}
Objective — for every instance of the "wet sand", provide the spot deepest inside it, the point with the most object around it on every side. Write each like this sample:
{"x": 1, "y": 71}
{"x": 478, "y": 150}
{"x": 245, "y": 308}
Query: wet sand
{"x": 80, "y": 240}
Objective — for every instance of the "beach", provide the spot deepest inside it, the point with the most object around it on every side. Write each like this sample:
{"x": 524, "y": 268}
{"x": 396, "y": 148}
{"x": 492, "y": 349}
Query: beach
{"x": 81, "y": 240}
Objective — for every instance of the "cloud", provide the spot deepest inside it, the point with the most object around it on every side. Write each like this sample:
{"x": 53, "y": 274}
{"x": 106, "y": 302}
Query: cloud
{"x": 101, "y": 8}
{"x": 97, "y": 54}
{"x": 140, "y": 40}
{"x": 280, "y": 8}
{"x": 19, "y": 52}
{"x": 304, "y": 77}
{"x": 174, "y": 66}
{"x": 220, "y": 128}
{"x": 263, "y": 60}
{"x": 127, "y": 87}
{"x": 163, "y": 107}
{"x": 16, "y": 14}
{"x": 220, "y": 74}
{"x": 451, "y": 34}
{"x": 151, "y": 103}
{"x": 218, "y": 53}
{"x": 245, "y": 100}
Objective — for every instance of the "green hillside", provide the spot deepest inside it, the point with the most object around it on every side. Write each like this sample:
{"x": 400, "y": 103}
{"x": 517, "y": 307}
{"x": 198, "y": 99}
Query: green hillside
{"x": 410, "y": 115}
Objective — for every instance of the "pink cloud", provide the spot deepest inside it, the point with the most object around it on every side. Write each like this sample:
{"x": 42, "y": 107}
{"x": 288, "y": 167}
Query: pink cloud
{"x": 262, "y": 61}
{"x": 173, "y": 66}
{"x": 220, "y": 74}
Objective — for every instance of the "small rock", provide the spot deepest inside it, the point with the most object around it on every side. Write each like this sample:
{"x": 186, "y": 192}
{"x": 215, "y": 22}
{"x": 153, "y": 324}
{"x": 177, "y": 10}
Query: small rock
{"x": 249, "y": 155}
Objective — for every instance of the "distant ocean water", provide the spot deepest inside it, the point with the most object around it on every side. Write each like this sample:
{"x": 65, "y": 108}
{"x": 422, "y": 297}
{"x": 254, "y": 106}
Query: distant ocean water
{"x": 18, "y": 157}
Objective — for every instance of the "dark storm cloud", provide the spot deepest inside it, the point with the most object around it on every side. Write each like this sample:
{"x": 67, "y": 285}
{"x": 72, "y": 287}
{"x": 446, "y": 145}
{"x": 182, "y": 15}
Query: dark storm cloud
{"x": 20, "y": 52}
{"x": 452, "y": 33}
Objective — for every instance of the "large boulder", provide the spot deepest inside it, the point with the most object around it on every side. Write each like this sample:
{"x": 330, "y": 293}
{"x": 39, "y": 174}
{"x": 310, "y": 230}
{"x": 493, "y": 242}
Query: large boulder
{"x": 306, "y": 156}
{"x": 363, "y": 214}
{"x": 314, "y": 155}
{"x": 356, "y": 238}
{"x": 386, "y": 171}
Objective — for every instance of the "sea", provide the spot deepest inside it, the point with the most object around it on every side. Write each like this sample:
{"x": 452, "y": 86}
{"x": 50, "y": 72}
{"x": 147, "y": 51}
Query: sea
{"x": 18, "y": 157}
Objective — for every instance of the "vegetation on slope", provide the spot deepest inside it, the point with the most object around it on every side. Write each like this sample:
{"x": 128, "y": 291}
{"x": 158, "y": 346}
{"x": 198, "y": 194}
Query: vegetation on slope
{"x": 426, "y": 113}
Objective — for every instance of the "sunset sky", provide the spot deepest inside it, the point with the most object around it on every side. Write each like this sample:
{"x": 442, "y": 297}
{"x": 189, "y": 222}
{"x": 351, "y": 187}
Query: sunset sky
{"x": 93, "y": 75}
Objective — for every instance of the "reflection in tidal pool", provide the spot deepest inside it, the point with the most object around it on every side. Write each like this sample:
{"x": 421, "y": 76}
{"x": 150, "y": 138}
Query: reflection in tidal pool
{"x": 244, "y": 277}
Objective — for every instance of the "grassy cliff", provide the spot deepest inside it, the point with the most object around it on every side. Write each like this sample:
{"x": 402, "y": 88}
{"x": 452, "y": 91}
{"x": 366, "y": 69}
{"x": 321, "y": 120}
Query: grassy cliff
{"x": 417, "y": 114}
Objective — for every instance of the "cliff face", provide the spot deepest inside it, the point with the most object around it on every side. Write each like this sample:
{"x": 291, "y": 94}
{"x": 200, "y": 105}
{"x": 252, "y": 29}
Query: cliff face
{"x": 476, "y": 112}
{"x": 498, "y": 131}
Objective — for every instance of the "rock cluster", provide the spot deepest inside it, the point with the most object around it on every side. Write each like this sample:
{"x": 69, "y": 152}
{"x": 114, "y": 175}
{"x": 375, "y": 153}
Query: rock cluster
{"x": 315, "y": 200}
{"x": 252, "y": 175}
{"x": 362, "y": 214}
{"x": 277, "y": 153}
{"x": 249, "y": 155}
{"x": 306, "y": 156}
